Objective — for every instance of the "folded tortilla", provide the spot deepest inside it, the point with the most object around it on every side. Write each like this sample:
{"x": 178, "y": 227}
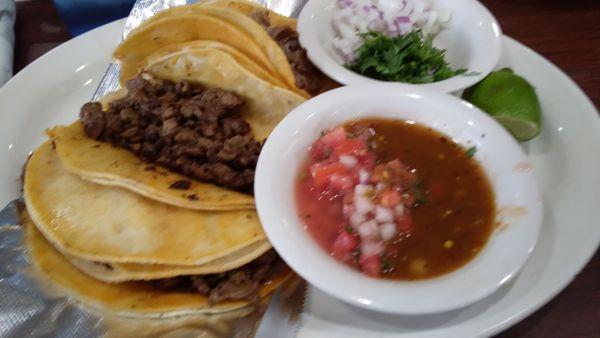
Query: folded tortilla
{"x": 128, "y": 298}
{"x": 250, "y": 28}
{"x": 122, "y": 272}
{"x": 108, "y": 224}
{"x": 266, "y": 104}
{"x": 240, "y": 57}
{"x": 103, "y": 163}
{"x": 250, "y": 7}
{"x": 148, "y": 38}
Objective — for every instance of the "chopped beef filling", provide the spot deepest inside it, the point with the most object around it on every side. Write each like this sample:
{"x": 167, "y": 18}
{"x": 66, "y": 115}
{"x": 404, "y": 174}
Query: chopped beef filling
{"x": 195, "y": 131}
{"x": 244, "y": 282}
{"x": 305, "y": 73}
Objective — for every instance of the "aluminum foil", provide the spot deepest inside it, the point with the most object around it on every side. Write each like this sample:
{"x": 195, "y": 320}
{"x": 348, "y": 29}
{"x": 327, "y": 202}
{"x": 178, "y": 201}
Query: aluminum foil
{"x": 31, "y": 306}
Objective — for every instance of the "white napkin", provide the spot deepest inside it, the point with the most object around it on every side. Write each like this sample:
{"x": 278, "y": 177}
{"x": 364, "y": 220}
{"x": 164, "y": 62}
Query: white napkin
{"x": 7, "y": 39}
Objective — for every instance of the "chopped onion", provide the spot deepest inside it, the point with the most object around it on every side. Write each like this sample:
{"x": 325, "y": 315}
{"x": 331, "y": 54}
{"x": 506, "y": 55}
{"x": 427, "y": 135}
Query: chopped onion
{"x": 348, "y": 161}
{"x": 368, "y": 230}
{"x": 363, "y": 176}
{"x": 387, "y": 231}
{"x": 356, "y": 219}
{"x": 369, "y": 249}
{"x": 363, "y": 189}
{"x": 351, "y": 18}
{"x": 383, "y": 214}
{"x": 363, "y": 204}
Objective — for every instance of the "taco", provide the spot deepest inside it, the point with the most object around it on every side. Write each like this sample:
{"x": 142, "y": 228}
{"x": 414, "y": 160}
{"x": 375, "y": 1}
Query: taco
{"x": 149, "y": 38}
{"x": 106, "y": 224}
{"x": 239, "y": 57}
{"x": 186, "y": 133}
{"x": 210, "y": 294}
{"x": 251, "y": 8}
{"x": 250, "y": 28}
{"x": 103, "y": 163}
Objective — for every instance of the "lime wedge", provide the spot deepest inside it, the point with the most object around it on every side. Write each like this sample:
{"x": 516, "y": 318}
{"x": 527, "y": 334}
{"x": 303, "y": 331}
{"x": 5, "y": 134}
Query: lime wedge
{"x": 511, "y": 100}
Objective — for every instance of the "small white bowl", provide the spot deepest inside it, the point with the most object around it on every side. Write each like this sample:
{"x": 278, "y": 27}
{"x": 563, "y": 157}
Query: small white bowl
{"x": 472, "y": 41}
{"x": 518, "y": 199}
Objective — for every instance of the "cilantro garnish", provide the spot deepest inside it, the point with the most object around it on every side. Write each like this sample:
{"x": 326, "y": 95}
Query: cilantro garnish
{"x": 471, "y": 151}
{"x": 405, "y": 58}
{"x": 386, "y": 265}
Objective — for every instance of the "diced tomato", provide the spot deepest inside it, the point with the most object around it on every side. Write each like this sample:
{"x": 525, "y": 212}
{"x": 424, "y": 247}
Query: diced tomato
{"x": 352, "y": 146}
{"x": 334, "y": 136}
{"x": 344, "y": 245}
{"x": 371, "y": 265}
{"x": 390, "y": 198}
{"x": 319, "y": 151}
{"x": 405, "y": 223}
{"x": 321, "y": 172}
{"x": 366, "y": 162}
{"x": 323, "y": 147}
{"x": 377, "y": 176}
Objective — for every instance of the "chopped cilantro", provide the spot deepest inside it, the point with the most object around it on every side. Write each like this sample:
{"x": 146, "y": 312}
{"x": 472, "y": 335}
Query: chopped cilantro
{"x": 471, "y": 151}
{"x": 348, "y": 229}
{"x": 386, "y": 265}
{"x": 408, "y": 58}
{"x": 420, "y": 199}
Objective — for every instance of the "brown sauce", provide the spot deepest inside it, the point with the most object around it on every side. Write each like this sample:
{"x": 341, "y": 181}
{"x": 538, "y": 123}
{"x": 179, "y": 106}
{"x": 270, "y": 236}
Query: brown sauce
{"x": 457, "y": 215}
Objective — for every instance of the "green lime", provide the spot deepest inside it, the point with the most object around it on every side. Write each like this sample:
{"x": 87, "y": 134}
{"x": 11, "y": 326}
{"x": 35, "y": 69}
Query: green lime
{"x": 511, "y": 100}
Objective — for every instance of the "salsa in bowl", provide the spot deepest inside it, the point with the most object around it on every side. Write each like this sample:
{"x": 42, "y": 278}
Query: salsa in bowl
{"x": 394, "y": 199}
{"x": 397, "y": 198}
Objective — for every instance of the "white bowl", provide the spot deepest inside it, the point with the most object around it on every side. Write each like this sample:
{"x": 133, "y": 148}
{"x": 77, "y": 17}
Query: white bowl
{"x": 472, "y": 41}
{"x": 518, "y": 199}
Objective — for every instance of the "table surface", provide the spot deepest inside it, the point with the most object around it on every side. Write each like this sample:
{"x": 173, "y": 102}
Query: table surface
{"x": 565, "y": 32}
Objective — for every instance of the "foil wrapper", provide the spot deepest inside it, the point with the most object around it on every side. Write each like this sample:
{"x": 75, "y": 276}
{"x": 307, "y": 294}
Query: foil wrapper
{"x": 32, "y": 306}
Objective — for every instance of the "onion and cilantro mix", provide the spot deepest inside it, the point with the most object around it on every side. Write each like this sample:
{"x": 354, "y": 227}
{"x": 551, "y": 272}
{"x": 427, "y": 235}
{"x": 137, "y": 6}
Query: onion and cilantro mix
{"x": 409, "y": 57}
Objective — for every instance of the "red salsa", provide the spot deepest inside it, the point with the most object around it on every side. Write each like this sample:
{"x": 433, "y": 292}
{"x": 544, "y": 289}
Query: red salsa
{"x": 395, "y": 199}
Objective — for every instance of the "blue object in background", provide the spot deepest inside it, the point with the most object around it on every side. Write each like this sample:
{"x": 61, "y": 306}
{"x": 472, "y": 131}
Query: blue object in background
{"x": 81, "y": 16}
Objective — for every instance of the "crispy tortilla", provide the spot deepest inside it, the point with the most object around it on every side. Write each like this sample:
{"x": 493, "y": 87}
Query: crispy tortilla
{"x": 152, "y": 36}
{"x": 121, "y": 272}
{"x": 103, "y": 163}
{"x": 242, "y": 59}
{"x": 266, "y": 104}
{"x": 109, "y": 224}
{"x": 249, "y": 7}
{"x": 129, "y": 298}
{"x": 250, "y": 28}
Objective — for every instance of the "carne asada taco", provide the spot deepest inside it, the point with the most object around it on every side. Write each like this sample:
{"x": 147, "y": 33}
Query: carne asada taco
{"x": 184, "y": 143}
{"x": 107, "y": 224}
{"x": 150, "y": 37}
{"x": 196, "y": 294}
{"x": 250, "y": 28}
{"x": 103, "y": 163}
{"x": 249, "y": 8}
{"x": 114, "y": 272}
{"x": 240, "y": 57}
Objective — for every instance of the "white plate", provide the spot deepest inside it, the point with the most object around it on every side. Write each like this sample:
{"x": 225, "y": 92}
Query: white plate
{"x": 565, "y": 158}
{"x": 472, "y": 40}
{"x": 497, "y": 152}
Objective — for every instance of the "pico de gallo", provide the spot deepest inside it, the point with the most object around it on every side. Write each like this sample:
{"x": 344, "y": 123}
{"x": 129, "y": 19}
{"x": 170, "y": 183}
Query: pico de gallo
{"x": 379, "y": 196}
